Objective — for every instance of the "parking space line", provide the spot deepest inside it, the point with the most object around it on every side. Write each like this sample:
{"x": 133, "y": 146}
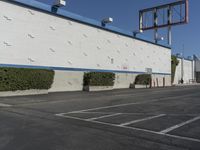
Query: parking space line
{"x": 168, "y": 135}
{"x": 5, "y": 105}
{"x": 127, "y": 104}
{"x": 140, "y": 120}
{"x": 142, "y": 113}
{"x": 132, "y": 128}
{"x": 112, "y": 106}
{"x": 126, "y": 113}
{"x": 105, "y": 123}
{"x": 179, "y": 125}
{"x": 182, "y": 138}
{"x": 89, "y": 112}
{"x": 126, "y": 127}
{"x": 105, "y": 116}
{"x": 60, "y": 114}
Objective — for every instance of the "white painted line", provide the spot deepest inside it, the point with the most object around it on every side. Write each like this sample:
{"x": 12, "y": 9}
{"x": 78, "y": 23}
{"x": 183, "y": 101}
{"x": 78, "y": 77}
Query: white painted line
{"x": 137, "y": 129}
{"x": 138, "y": 114}
{"x": 126, "y": 127}
{"x": 76, "y": 112}
{"x": 147, "y": 114}
{"x": 70, "y": 117}
{"x": 179, "y": 125}
{"x": 127, "y": 104}
{"x": 113, "y": 106}
{"x": 5, "y": 105}
{"x": 89, "y": 112}
{"x": 105, "y": 116}
{"x": 169, "y": 135}
{"x": 60, "y": 114}
{"x": 183, "y": 138}
{"x": 143, "y": 119}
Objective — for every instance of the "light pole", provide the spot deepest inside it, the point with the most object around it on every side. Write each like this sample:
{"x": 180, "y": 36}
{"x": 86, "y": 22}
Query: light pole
{"x": 182, "y": 65}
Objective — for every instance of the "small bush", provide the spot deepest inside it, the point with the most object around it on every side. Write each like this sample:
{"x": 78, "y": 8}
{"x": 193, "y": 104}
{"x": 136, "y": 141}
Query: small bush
{"x": 12, "y": 79}
{"x": 99, "y": 79}
{"x": 143, "y": 79}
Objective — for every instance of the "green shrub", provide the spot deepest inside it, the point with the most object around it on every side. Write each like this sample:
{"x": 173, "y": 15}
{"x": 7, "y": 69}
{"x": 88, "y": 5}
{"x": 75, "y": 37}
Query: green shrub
{"x": 174, "y": 63}
{"x": 99, "y": 79}
{"x": 143, "y": 79}
{"x": 12, "y": 79}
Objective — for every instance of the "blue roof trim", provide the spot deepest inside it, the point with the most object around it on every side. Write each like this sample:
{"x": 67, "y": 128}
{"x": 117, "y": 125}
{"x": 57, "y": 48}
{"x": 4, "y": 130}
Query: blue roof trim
{"x": 77, "y": 69}
{"x": 35, "y": 4}
{"x": 63, "y": 13}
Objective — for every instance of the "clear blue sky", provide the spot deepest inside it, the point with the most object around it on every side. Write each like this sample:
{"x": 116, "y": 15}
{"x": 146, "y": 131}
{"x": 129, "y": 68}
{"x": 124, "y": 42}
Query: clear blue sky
{"x": 125, "y": 14}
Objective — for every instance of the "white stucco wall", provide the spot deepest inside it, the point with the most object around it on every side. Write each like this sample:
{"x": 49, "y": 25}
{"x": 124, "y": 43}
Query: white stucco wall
{"x": 188, "y": 71}
{"x": 34, "y": 38}
{"x": 73, "y": 81}
{"x": 197, "y": 65}
{"x": 67, "y": 81}
{"x": 161, "y": 80}
{"x": 197, "y": 70}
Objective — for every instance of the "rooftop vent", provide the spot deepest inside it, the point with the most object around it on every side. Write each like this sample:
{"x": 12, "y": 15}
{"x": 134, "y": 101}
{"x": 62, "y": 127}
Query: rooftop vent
{"x": 106, "y": 21}
{"x": 57, "y": 4}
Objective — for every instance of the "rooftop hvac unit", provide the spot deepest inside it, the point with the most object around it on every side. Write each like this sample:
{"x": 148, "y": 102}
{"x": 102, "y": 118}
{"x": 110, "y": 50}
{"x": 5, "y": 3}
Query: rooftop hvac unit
{"x": 59, "y": 3}
{"x": 107, "y": 20}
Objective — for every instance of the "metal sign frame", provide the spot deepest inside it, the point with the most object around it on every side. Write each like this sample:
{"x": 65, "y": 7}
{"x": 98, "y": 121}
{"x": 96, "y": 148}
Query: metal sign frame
{"x": 176, "y": 13}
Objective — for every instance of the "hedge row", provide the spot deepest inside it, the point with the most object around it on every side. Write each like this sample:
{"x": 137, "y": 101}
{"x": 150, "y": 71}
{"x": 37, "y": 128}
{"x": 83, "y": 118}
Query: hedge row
{"x": 12, "y": 79}
{"x": 144, "y": 79}
{"x": 107, "y": 79}
{"x": 99, "y": 79}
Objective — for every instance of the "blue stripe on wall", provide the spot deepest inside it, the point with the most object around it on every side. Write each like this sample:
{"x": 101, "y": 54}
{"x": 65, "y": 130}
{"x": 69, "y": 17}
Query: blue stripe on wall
{"x": 77, "y": 69}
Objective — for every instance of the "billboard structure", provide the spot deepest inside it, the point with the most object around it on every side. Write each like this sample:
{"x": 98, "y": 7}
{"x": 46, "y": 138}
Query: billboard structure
{"x": 163, "y": 16}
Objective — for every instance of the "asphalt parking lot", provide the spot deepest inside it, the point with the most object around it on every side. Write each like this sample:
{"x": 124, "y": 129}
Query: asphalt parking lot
{"x": 141, "y": 119}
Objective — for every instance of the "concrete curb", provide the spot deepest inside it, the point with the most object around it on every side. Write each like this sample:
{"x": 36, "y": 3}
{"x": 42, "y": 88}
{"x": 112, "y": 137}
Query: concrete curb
{"x": 97, "y": 88}
{"x": 139, "y": 86}
{"x": 193, "y": 84}
{"x": 23, "y": 93}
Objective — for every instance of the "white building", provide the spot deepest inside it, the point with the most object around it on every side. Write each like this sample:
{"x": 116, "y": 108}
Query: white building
{"x": 185, "y": 70}
{"x": 197, "y": 68}
{"x": 34, "y": 37}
